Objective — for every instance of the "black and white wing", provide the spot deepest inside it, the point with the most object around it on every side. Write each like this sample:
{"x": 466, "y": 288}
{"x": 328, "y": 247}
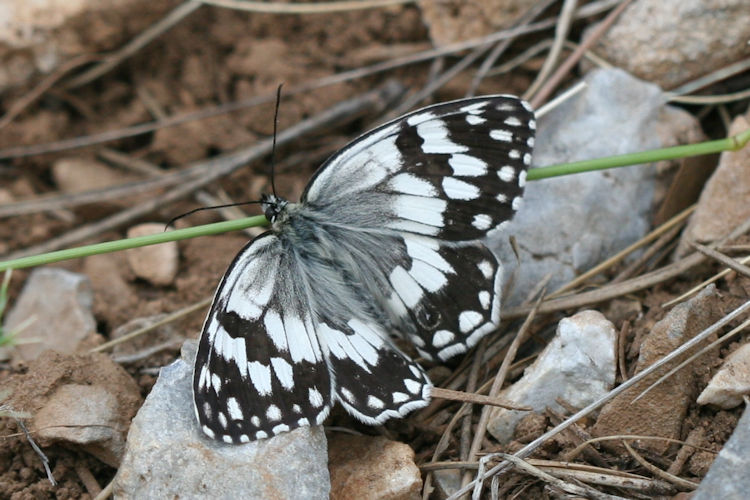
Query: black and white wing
{"x": 453, "y": 171}
{"x": 385, "y": 238}
{"x": 259, "y": 369}
{"x": 429, "y": 185}
{"x": 268, "y": 363}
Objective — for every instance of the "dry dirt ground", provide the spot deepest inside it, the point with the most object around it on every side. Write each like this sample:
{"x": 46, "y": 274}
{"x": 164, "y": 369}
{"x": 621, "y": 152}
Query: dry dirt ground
{"x": 223, "y": 56}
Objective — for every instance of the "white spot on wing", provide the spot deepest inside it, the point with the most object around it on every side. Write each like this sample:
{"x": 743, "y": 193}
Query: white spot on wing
{"x": 255, "y": 421}
{"x": 347, "y": 394}
{"x": 275, "y": 330}
{"x": 244, "y": 438}
{"x": 427, "y": 276}
{"x": 315, "y": 397}
{"x": 418, "y": 118}
{"x": 420, "y": 209}
{"x": 527, "y": 159}
{"x": 208, "y": 432}
{"x": 227, "y": 438}
{"x": 216, "y": 382}
{"x": 442, "y": 338}
{"x": 203, "y": 379}
{"x": 280, "y": 428}
{"x": 299, "y": 340}
{"x": 231, "y": 349}
{"x": 501, "y": 135}
{"x": 260, "y": 376}
{"x": 426, "y": 250}
{"x": 451, "y": 351}
{"x": 484, "y": 299}
{"x": 459, "y": 190}
{"x": 261, "y": 435}
{"x": 468, "y": 320}
{"x": 413, "y": 386}
{"x": 474, "y": 119}
{"x": 235, "y": 412}
{"x": 359, "y": 341}
{"x": 466, "y": 165}
{"x": 411, "y": 184}
{"x": 482, "y": 221}
{"x": 513, "y": 121}
{"x": 434, "y": 133}
{"x": 273, "y": 413}
{"x": 222, "y": 419}
{"x": 486, "y": 268}
{"x": 374, "y": 402}
{"x": 405, "y": 287}
{"x": 474, "y": 108}
{"x": 340, "y": 346}
{"x": 283, "y": 371}
{"x": 400, "y": 397}
{"x": 517, "y": 203}
{"x": 522, "y": 178}
{"x": 506, "y": 173}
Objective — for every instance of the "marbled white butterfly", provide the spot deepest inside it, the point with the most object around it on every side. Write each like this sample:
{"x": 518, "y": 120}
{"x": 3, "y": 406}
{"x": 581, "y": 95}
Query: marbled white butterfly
{"x": 384, "y": 241}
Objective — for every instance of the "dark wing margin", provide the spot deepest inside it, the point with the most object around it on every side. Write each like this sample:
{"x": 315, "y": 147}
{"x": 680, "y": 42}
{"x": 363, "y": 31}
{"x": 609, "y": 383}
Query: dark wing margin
{"x": 453, "y": 171}
{"x": 260, "y": 370}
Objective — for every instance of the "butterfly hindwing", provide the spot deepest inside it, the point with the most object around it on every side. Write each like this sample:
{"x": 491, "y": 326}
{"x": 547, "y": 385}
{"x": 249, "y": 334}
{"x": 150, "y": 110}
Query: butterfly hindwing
{"x": 259, "y": 368}
{"x": 375, "y": 381}
{"x": 447, "y": 295}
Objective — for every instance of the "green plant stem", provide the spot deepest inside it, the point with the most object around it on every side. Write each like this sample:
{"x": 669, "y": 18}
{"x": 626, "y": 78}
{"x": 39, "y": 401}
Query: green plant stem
{"x": 139, "y": 241}
{"x": 729, "y": 144}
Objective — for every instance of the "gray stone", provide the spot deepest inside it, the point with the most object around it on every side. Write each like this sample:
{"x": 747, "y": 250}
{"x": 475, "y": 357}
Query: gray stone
{"x": 568, "y": 224}
{"x": 728, "y": 478}
{"x": 84, "y": 415}
{"x": 55, "y": 307}
{"x": 578, "y": 365}
{"x": 669, "y": 42}
{"x": 167, "y": 455}
{"x": 727, "y": 388}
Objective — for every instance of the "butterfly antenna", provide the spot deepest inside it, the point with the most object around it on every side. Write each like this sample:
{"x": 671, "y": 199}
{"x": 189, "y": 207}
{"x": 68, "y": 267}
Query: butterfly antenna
{"x": 273, "y": 144}
{"x": 200, "y": 209}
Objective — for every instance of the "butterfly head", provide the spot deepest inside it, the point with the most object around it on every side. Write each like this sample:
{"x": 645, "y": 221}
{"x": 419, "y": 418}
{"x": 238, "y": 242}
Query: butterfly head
{"x": 273, "y": 207}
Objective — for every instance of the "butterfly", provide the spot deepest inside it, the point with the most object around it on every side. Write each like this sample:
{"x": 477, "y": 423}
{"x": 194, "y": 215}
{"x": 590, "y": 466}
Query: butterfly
{"x": 385, "y": 240}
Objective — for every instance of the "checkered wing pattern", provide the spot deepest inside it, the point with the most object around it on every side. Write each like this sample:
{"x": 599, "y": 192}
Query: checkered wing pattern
{"x": 386, "y": 240}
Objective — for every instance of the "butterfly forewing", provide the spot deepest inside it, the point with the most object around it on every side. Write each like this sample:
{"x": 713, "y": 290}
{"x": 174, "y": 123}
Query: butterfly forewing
{"x": 260, "y": 369}
{"x": 453, "y": 171}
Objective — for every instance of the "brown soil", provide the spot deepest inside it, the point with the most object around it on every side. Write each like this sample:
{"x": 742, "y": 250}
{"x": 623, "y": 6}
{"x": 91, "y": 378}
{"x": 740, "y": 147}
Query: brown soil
{"x": 223, "y": 56}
